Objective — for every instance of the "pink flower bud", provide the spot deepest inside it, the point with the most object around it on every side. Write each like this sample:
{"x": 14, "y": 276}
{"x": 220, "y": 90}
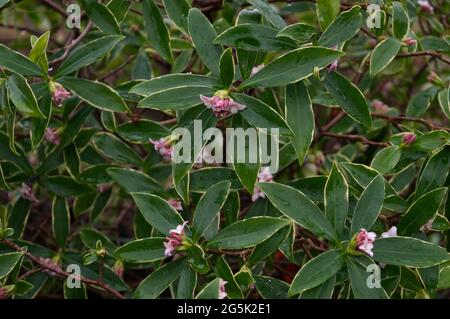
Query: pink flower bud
{"x": 425, "y": 6}
{"x": 333, "y": 66}
{"x": 222, "y": 106}
{"x": 392, "y": 232}
{"x": 264, "y": 176}
{"x": 27, "y": 192}
{"x": 380, "y": 107}
{"x": 175, "y": 204}
{"x": 364, "y": 241}
{"x": 409, "y": 41}
{"x": 174, "y": 240}
{"x": 52, "y": 135}
{"x": 103, "y": 188}
{"x": 409, "y": 138}
{"x": 164, "y": 147}
{"x": 222, "y": 293}
{"x": 60, "y": 94}
{"x": 119, "y": 269}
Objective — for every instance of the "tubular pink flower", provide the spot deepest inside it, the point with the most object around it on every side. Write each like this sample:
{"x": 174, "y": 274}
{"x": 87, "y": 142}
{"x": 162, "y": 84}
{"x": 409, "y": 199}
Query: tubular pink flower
{"x": 409, "y": 138}
{"x": 52, "y": 135}
{"x": 334, "y": 65}
{"x": 222, "y": 293}
{"x": 264, "y": 176}
{"x": 174, "y": 240}
{"x": 392, "y": 232}
{"x": 60, "y": 94}
{"x": 222, "y": 106}
{"x": 27, "y": 193}
{"x": 425, "y": 6}
{"x": 175, "y": 204}
{"x": 164, "y": 148}
{"x": 364, "y": 241}
{"x": 409, "y": 41}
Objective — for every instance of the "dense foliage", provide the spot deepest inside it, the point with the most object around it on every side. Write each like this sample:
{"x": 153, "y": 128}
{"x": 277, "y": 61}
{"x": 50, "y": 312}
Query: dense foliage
{"x": 93, "y": 204}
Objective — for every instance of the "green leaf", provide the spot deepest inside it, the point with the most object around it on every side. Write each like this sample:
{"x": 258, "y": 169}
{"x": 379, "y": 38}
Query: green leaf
{"x": 434, "y": 172}
{"x": 422, "y": 210}
{"x": 18, "y": 217}
{"x": 369, "y": 205}
{"x": 203, "y": 179}
{"x": 60, "y": 220}
{"x": 323, "y": 291}
{"x": 133, "y": 181}
{"x": 38, "y": 52}
{"x": 300, "y": 32}
{"x": 359, "y": 276}
{"x": 444, "y": 101}
{"x": 17, "y": 62}
{"x": 271, "y": 288}
{"x": 383, "y": 54}
{"x": 420, "y": 102}
{"x": 119, "y": 8}
{"x": 255, "y": 37}
{"x": 177, "y": 98}
{"x": 400, "y": 23}
{"x": 142, "y": 131}
{"x": 246, "y": 233}
{"x": 409, "y": 252}
{"x": 300, "y": 118}
{"x": 227, "y": 68}
{"x": 96, "y": 94}
{"x": 8, "y": 262}
{"x": 343, "y": 28}
{"x": 114, "y": 148}
{"x": 187, "y": 283}
{"x": 102, "y": 17}
{"x": 156, "y": 30}
{"x": 90, "y": 237}
{"x": 65, "y": 186}
{"x": 297, "y": 206}
{"x": 173, "y": 81}
{"x": 208, "y": 207}
{"x": 157, "y": 212}
{"x": 349, "y": 97}
{"x": 327, "y": 11}
{"x": 261, "y": 115}
{"x": 210, "y": 291}
{"x": 142, "y": 250}
{"x": 386, "y": 159}
{"x": 336, "y": 199}
{"x": 203, "y": 34}
{"x": 269, "y": 13}
{"x": 317, "y": 271}
{"x": 178, "y": 11}
{"x": 269, "y": 246}
{"x": 22, "y": 96}
{"x": 87, "y": 54}
{"x": 292, "y": 67}
{"x": 38, "y": 125}
{"x": 224, "y": 271}
{"x": 159, "y": 280}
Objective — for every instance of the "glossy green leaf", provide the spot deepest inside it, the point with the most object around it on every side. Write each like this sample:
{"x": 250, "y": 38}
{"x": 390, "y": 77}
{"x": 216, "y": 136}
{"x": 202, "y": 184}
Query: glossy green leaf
{"x": 359, "y": 278}
{"x": 142, "y": 250}
{"x": 60, "y": 220}
{"x": 114, "y": 148}
{"x": 268, "y": 12}
{"x": 343, "y": 28}
{"x": 87, "y": 54}
{"x": 38, "y": 53}
{"x": 8, "y": 262}
{"x": 269, "y": 246}
{"x": 178, "y": 11}
{"x": 227, "y": 69}
{"x": 316, "y": 271}
{"x": 297, "y": 206}
{"x": 159, "y": 280}
{"x": 133, "y": 181}
{"x": 434, "y": 172}
{"x": 17, "y": 62}
{"x": 400, "y": 23}
{"x": 349, "y": 97}
{"x": 96, "y": 94}
{"x": 246, "y": 233}
{"x": 336, "y": 199}
{"x": 224, "y": 271}
{"x": 102, "y": 17}
{"x": 156, "y": 30}
{"x": 409, "y": 252}
{"x": 386, "y": 159}
{"x": 157, "y": 212}
{"x": 422, "y": 210}
{"x": 369, "y": 205}
{"x": 142, "y": 131}
{"x": 18, "y": 217}
{"x": 271, "y": 288}
{"x": 327, "y": 11}
{"x": 300, "y": 32}
{"x": 300, "y": 118}
{"x": 208, "y": 207}
{"x": 65, "y": 186}
{"x": 383, "y": 54}
{"x": 292, "y": 67}
{"x": 22, "y": 96}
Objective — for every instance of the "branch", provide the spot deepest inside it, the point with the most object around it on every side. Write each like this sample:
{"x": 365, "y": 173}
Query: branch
{"x": 394, "y": 119}
{"x": 353, "y": 137}
{"x": 61, "y": 272}
{"x": 425, "y": 53}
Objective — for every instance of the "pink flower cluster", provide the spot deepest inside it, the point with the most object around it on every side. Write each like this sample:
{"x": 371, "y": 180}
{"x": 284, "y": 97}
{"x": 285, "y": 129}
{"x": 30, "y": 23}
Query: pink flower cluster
{"x": 60, "y": 94}
{"x": 222, "y": 106}
{"x": 175, "y": 203}
{"x": 409, "y": 138}
{"x": 222, "y": 292}
{"x": 264, "y": 176}
{"x": 174, "y": 240}
{"x": 164, "y": 147}
{"x": 27, "y": 192}
{"x": 380, "y": 107}
{"x": 409, "y": 41}
{"x": 52, "y": 135}
{"x": 365, "y": 239}
{"x": 425, "y": 6}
